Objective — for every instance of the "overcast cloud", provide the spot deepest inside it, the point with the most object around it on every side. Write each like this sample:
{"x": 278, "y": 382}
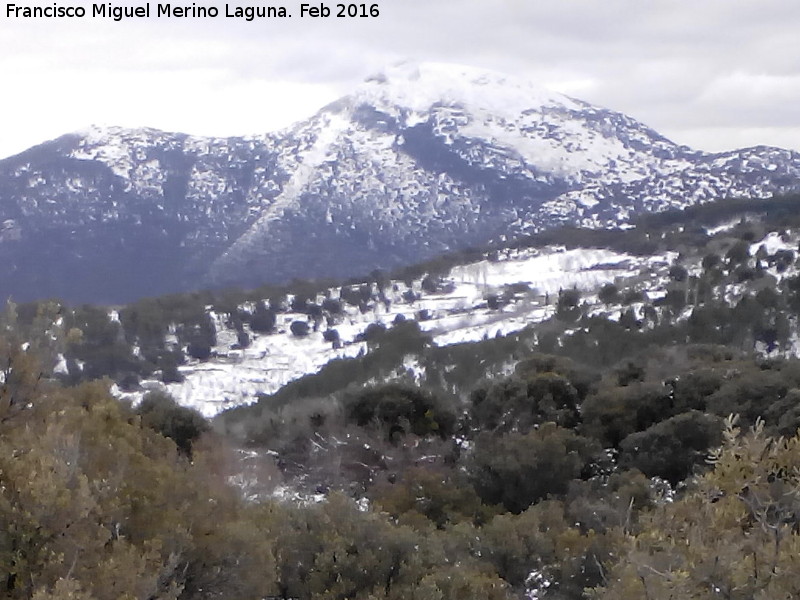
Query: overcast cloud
{"x": 712, "y": 74}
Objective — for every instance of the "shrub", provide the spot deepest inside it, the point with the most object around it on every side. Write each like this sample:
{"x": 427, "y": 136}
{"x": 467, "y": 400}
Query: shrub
{"x": 400, "y": 409}
{"x": 608, "y": 294}
{"x": 517, "y": 470}
{"x": 671, "y": 449}
{"x": 184, "y": 426}
{"x": 263, "y": 319}
{"x": 299, "y": 328}
{"x": 331, "y": 335}
{"x": 567, "y": 305}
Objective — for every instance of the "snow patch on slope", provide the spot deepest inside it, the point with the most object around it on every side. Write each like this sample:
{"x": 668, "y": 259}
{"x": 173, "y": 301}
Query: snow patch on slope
{"x": 459, "y": 313}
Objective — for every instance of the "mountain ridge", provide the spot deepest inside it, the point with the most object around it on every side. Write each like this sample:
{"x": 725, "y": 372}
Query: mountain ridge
{"x": 417, "y": 161}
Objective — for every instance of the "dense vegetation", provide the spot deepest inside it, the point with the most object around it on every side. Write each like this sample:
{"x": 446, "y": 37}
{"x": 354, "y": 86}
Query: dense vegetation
{"x": 586, "y": 457}
{"x": 554, "y": 479}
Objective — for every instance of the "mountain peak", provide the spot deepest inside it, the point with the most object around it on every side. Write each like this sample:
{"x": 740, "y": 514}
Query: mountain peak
{"x": 420, "y": 86}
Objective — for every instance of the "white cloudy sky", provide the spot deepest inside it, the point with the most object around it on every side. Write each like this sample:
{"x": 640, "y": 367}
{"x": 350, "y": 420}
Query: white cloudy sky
{"x": 713, "y": 74}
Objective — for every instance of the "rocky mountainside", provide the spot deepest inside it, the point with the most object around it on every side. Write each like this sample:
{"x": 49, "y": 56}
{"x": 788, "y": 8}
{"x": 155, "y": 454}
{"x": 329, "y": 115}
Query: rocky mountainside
{"x": 416, "y": 161}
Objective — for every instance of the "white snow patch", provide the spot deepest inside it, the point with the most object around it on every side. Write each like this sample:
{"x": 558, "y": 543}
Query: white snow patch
{"x": 527, "y": 282}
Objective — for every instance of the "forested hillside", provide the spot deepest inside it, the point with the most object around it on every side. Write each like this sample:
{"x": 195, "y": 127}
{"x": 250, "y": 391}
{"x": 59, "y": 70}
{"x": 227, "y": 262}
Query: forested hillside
{"x": 635, "y": 443}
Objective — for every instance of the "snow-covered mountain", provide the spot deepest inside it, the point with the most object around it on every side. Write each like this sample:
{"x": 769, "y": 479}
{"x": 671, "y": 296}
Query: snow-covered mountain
{"x": 416, "y": 161}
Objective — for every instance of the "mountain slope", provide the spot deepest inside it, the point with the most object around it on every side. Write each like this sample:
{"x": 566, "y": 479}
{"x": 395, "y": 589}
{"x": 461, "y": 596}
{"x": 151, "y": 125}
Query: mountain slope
{"x": 416, "y": 161}
{"x": 113, "y": 214}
